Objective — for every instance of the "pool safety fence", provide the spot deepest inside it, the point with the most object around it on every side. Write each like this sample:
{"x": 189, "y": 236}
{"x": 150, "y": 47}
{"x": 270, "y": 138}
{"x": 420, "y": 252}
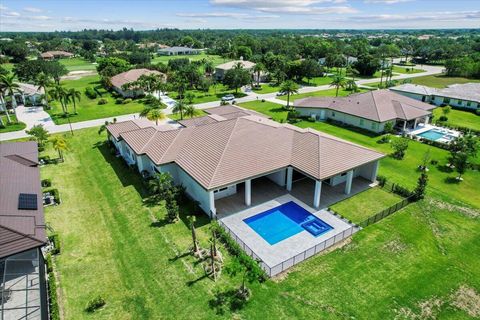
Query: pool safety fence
{"x": 386, "y": 212}
{"x": 288, "y": 263}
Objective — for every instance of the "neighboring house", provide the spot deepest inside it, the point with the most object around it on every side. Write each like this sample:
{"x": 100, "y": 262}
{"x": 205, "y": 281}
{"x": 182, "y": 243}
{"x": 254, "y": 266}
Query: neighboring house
{"x": 50, "y": 55}
{"x": 465, "y": 96}
{"x": 221, "y": 69}
{"x": 22, "y": 233}
{"x": 370, "y": 110}
{"x": 232, "y": 147}
{"x": 350, "y": 60}
{"x": 120, "y": 80}
{"x": 30, "y": 94}
{"x": 175, "y": 51}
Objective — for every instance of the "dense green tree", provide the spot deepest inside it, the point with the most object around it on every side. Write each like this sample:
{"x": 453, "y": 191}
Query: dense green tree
{"x": 237, "y": 77}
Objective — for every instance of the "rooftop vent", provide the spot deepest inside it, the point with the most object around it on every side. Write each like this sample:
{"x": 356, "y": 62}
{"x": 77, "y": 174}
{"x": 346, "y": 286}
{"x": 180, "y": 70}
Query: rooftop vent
{"x": 27, "y": 201}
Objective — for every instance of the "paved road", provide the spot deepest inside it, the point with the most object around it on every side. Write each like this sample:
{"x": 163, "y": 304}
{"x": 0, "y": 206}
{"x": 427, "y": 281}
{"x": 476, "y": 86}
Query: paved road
{"x": 429, "y": 70}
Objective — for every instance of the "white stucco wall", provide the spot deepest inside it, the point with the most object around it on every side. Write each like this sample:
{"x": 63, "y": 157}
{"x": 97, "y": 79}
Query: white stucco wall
{"x": 278, "y": 177}
{"x": 415, "y": 96}
{"x": 458, "y": 103}
{"x": 225, "y": 192}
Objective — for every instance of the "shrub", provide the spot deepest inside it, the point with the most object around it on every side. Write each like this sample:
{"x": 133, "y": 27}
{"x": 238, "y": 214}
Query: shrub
{"x": 399, "y": 147}
{"x": 54, "y": 192}
{"x": 52, "y": 291}
{"x": 95, "y": 304}
{"x": 401, "y": 191}
{"x": 46, "y": 183}
{"x": 382, "y": 180}
{"x": 384, "y": 139}
{"x": 477, "y": 112}
{"x": 102, "y": 101}
{"x": 263, "y": 100}
{"x": 119, "y": 100}
{"x": 443, "y": 119}
{"x": 128, "y": 100}
{"x": 434, "y": 162}
{"x": 55, "y": 240}
{"x": 45, "y": 159}
{"x": 89, "y": 92}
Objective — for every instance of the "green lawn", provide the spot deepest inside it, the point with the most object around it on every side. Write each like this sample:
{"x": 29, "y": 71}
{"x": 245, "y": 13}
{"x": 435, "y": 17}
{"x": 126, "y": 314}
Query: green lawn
{"x": 216, "y": 59}
{"x": 13, "y": 126}
{"x": 110, "y": 247}
{"x": 273, "y": 110}
{"x": 267, "y": 88}
{"x": 176, "y": 116}
{"x": 366, "y": 204}
{"x": 76, "y": 64}
{"x": 317, "y": 81}
{"x": 89, "y": 109}
{"x": 320, "y": 93}
{"x": 407, "y": 70}
{"x": 215, "y": 93}
{"x": 440, "y": 81}
{"x": 460, "y": 118}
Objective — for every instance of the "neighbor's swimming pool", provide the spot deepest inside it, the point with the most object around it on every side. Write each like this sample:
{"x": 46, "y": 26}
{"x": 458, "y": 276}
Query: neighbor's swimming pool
{"x": 284, "y": 221}
{"x": 432, "y": 135}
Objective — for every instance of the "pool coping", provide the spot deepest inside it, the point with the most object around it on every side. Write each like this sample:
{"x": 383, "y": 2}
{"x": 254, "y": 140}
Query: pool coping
{"x": 272, "y": 255}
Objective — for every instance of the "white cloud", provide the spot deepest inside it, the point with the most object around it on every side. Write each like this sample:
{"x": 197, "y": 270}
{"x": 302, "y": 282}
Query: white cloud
{"x": 419, "y": 16}
{"x": 40, "y": 17}
{"x": 233, "y": 15}
{"x": 32, "y": 9}
{"x": 10, "y": 14}
{"x": 303, "y": 7}
{"x": 386, "y": 1}
{"x": 2, "y": 7}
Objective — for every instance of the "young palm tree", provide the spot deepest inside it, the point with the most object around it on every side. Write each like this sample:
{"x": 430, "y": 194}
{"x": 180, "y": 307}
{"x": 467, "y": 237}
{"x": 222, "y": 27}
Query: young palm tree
{"x": 338, "y": 82}
{"x": 257, "y": 69}
{"x": 208, "y": 67}
{"x": 103, "y": 127}
{"x": 153, "y": 114}
{"x": 191, "y": 220}
{"x": 10, "y": 88}
{"x": 190, "y": 111}
{"x": 60, "y": 145}
{"x": 74, "y": 95}
{"x": 179, "y": 107}
{"x": 289, "y": 87}
{"x": 3, "y": 103}
{"x": 43, "y": 82}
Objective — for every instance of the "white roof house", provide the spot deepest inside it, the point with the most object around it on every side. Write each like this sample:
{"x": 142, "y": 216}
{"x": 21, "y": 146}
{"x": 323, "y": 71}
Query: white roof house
{"x": 221, "y": 69}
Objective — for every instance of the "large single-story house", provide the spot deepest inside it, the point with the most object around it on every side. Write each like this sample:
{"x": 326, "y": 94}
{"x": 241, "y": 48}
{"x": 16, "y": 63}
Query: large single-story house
{"x": 221, "y": 69}
{"x": 466, "y": 96}
{"x": 22, "y": 233}
{"x": 28, "y": 94}
{"x": 50, "y": 55}
{"x": 233, "y": 148}
{"x": 370, "y": 110}
{"x": 120, "y": 80}
{"x": 175, "y": 51}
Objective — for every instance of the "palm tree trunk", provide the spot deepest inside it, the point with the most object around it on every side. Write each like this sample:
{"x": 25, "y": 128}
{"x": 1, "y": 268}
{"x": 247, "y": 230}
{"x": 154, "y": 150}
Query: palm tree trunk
{"x": 4, "y": 105}
{"x": 336, "y": 93}
{"x": 288, "y": 99}
{"x": 14, "y": 105}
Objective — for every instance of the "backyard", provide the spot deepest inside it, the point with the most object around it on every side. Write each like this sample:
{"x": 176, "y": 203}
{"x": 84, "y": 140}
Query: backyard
{"x": 460, "y": 118}
{"x": 113, "y": 247}
{"x": 89, "y": 109}
{"x": 321, "y": 93}
{"x": 216, "y": 60}
{"x": 13, "y": 126}
{"x": 440, "y": 81}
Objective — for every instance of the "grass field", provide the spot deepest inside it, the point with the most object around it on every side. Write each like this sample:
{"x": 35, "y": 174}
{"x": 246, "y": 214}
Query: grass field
{"x": 267, "y": 88}
{"x": 89, "y": 109}
{"x": 273, "y": 110}
{"x": 321, "y": 93}
{"x": 460, "y": 118}
{"x": 440, "y": 81}
{"x": 407, "y": 70}
{"x": 216, "y": 59}
{"x": 317, "y": 81}
{"x": 77, "y": 64}
{"x": 408, "y": 263}
{"x": 215, "y": 93}
{"x": 13, "y": 126}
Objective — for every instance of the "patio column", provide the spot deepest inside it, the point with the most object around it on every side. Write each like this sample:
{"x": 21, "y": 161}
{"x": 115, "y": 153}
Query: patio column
{"x": 348, "y": 183}
{"x": 415, "y": 123}
{"x": 404, "y": 125}
{"x": 289, "y": 178}
{"x": 316, "y": 195}
{"x": 427, "y": 118}
{"x": 373, "y": 176}
{"x": 213, "y": 211}
{"x": 248, "y": 192}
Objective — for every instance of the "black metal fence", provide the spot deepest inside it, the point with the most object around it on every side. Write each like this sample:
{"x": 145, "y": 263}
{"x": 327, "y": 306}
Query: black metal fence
{"x": 385, "y": 213}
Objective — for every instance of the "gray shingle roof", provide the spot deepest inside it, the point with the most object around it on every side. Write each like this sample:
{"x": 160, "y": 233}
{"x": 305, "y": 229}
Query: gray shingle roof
{"x": 466, "y": 91}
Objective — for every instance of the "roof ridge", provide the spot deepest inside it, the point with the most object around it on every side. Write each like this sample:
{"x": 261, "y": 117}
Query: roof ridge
{"x": 149, "y": 140}
{"x": 171, "y": 144}
{"x": 375, "y": 104}
{"x": 223, "y": 152}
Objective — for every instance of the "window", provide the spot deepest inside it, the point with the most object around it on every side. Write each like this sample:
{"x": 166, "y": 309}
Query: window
{"x": 374, "y": 126}
{"x": 333, "y": 114}
{"x": 469, "y": 103}
{"x": 446, "y": 100}
{"x": 220, "y": 190}
{"x": 362, "y": 122}
{"x": 460, "y": 102}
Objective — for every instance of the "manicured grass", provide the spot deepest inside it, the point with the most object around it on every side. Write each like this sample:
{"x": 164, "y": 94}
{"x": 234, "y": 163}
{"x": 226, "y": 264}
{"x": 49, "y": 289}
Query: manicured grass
{"x": 76, "y": 64}
{"x": 215, "y": 93}
{"x": 110, "y": 247}
{"x": 275, "y": 111}
{"x": 321, "y": 93}
{"x": 406, "y": 70}
{"x": 366, "y": 204}
{"x": 89, "y": 109}
{"x": 460, "y": 118}
{"x": 317, "y": 81}
{"x": 440, "y": 81}
{"x": 267, "y": 88}
{"x": 216, "y": 59}
{"x": 13, "y": 126}
{"x": 176, "y": 116}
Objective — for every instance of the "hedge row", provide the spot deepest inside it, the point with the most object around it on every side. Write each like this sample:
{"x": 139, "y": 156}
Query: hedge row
{"x": 54, "y": 238}
{"x": 52, "y": 290}
{"x": 394, "y": 187}
{"x": 235, "y": 250}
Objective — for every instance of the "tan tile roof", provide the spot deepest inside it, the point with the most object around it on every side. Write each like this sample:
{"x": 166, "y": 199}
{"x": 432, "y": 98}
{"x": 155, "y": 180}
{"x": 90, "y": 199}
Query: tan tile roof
{"x": 376, "y": 105}
{"x": 116, "y": 128}
{"x": 57, "y": 53}
{"x": 20, "y": 230}
{"x": 229, "y": 65}
{"x": 131, "y": 75}
{"x": 229, "y": 151}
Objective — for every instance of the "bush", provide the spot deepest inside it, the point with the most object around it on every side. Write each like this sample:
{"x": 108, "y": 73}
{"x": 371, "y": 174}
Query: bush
{"x": 45, "y": 159}
{"x": 52, "y": 290}
{"x": 102, "y": 101}
{"x": 443, "y": 119}
{"x": 119, "y": 100}
{"x": 382, "y": 180}
{"x": 55, "y": 240}
{"x": 128, "y": 100}
{"x": 384, "y": 139}
{"x": 477, "y": 112}
{"x": 46, "y": 183}
{"x": 401, "y": 191}
{"x": 89, "y": 92}
{"x": 54, "y": 192}
{"x": 95, "y": 304}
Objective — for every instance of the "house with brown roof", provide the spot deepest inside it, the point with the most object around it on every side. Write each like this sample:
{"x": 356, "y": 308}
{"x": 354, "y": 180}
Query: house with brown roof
{"x": 22, "y": 233}
{"x": 121, "y": 80}
{"x": 57, "y": 54}
{"x": 231, "y": 149}
{"x": 370, "y": 110}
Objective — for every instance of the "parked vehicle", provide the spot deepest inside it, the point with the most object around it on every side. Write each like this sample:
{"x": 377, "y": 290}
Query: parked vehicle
{"x": 281, "y": 93}
{"x": 228, "y": 97}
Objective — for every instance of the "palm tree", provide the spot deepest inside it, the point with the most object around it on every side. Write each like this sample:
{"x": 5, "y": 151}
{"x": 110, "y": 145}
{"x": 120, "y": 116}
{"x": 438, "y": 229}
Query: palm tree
{"x": 60, "y": 145}
{"x": 3, "y": 103}
{"x": 10, "y": 88}
{"x": 179, "y": 107}
{"x": 74, "y": 95}
{"x": 209, "y": 67}
{"x": 59, "y": 93}
{"x": 190, "y": 111}
{"x": 103, "y": 127}
{"x": 289, "y": 87}
{"x": 153, "y": 114}
{"x": 191, "y": 220}
{"x": 338, "y": 82}
{"x": 43, "y": 82}
{"x": 258, "y": 68}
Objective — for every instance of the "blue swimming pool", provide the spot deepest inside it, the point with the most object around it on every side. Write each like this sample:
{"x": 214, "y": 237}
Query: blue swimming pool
{"x": 432, "y": 135}
{"x": 284, "y": 221}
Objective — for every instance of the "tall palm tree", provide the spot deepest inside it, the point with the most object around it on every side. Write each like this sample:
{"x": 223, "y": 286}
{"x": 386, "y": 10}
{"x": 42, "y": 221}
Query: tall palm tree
{"x": 153, "y": 114}
{"x": 44, "y": 81}
{"x": 3, "y": 103}
{"x": 59, "y": 93}
{"x": 338, "y": 82}
{"x": 208, "y": 67}
{"x": 257, "y": 69}
{"x": 74, "y": 96}
{"x": 60, "y": 145}
{"x": 10, "y": 88}
{"x": 179, "y": 107}
{"x": 190, "y": 111}
{"x": 289, "y": 87}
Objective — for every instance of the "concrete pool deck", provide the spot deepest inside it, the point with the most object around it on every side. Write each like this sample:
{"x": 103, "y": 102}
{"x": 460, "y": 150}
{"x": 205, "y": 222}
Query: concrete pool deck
{"x": 274, "y": 255}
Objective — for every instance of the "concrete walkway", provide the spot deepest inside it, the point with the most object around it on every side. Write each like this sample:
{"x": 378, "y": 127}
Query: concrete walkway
{"x": 251, "y": 96}
{"x": 34, "y": 115}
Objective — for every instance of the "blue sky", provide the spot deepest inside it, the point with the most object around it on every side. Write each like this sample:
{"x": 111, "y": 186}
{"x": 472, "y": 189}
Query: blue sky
{"x": 49, "y": 15}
